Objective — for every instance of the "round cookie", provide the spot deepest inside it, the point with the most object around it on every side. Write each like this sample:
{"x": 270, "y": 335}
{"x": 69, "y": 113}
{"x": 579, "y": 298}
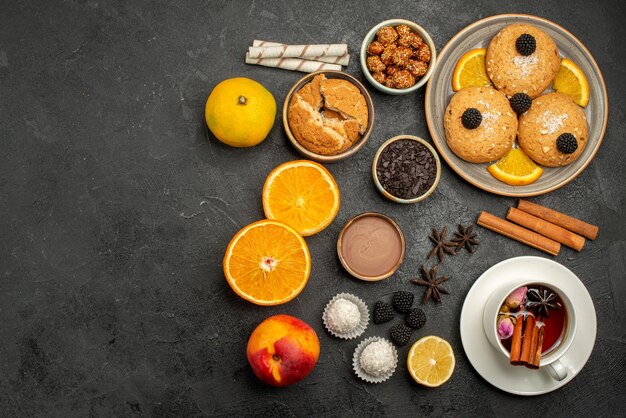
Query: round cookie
{"x": 494, "y": 136}
{"x": 511, "y": 72}
{"x": 550, "y": 116}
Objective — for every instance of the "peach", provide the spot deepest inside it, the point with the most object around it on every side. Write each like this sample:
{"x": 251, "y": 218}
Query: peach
{"x": 283, "y": 350}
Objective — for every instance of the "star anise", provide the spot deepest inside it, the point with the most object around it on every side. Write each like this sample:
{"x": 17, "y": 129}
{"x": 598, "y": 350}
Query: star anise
{"x": 433, "y": 284}
{"x": 542, "y": 300}
{"x": 465, "y": 237}
{"x": 441, "y": 245}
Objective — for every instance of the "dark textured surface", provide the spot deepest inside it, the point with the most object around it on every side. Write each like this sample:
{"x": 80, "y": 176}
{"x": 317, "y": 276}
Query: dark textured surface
{"x": 116, "y": 210}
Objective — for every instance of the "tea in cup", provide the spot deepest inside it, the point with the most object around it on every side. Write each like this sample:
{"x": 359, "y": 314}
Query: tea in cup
{"x": 533, "y": 325}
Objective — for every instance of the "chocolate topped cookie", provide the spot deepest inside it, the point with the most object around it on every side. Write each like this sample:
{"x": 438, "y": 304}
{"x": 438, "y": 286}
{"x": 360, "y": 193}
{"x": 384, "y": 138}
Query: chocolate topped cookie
{"x": 480, "y": 124}
{"x": 522, "y": 59}
{"x": 554, "y": 131}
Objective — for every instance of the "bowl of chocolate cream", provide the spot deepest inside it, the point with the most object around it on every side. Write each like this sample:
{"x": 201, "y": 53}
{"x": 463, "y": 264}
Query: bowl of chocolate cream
{"x": 371, "y": 246}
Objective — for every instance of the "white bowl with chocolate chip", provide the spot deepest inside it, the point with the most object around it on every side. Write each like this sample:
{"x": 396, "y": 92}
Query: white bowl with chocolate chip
{"x": 397, "y": 56}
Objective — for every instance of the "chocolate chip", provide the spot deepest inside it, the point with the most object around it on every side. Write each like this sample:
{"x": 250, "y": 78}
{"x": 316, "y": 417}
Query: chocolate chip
{"x": 406, "y": 169}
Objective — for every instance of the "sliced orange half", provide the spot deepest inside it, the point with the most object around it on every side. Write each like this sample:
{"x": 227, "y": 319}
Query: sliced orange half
{"x": 267, "y": 263}
{"x": 302, "y": 194}
{"x": 470, "y": 70}
{"x": 516, "y": 168}
{"x": 571, "y": 80}
{"x": 431, "y": 361}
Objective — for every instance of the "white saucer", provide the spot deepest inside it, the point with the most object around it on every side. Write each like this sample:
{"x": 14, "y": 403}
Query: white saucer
{"x": 489, "y": 362}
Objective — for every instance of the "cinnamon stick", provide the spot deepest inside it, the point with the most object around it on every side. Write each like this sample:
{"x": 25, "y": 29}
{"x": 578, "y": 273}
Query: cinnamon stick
{"x": 527, "y": 340}
{"x": 516, "y": 232}
{"x": 516, "y": 341}
{"x": 546, "y": 229}
{"x": 560, "y": 219}
{"x": 538, "y": 349}
{"x": 533, "y": 343}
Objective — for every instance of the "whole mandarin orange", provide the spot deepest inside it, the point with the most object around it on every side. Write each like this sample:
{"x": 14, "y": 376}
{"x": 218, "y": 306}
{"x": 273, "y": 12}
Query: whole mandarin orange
{"x": 240, "y": 112}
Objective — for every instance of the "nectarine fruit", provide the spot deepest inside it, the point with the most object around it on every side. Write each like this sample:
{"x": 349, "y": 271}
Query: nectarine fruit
{"x": 283, "y": 350}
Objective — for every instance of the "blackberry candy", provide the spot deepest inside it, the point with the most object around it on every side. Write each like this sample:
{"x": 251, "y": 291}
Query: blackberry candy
{"x": 471, "y": 118}
{"x": 566, "y": 143}
{"x": 400, "y": 334}
{"x": 415, "y": 318}
{"x": 382, "y": 312}
{"x": 402, "y": 301}
{"x": 520, "y": 103}
{"x": 526, "y": 44}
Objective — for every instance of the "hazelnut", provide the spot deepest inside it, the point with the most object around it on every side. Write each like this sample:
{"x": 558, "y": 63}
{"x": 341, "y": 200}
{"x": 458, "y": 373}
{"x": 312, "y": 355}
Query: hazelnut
{"x": 380, "y": 77}
{"x": 401, "y": 55}
{"x": 375, "y": 48}
{"x": 374, "y": 64}
{"x": 417, "y": 68}
{"x": 387, "y": 35}
{"x": 403, "y": 30}
{"x": 391, "y": 70}
{"x": 386, "y": 55}
{"x": 423, "y": 53}
{"x": 403, "y": 79}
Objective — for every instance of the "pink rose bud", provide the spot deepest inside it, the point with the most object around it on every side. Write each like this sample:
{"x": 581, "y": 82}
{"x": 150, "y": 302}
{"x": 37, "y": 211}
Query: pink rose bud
{"x": 505, "y": 328}
{"x": 517, "y": 297}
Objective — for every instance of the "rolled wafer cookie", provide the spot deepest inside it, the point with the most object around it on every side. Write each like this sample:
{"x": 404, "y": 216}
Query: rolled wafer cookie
{"x": 341, "y": 60}
{"x": 299, "y": 51}
{"x": 294, "y": 64}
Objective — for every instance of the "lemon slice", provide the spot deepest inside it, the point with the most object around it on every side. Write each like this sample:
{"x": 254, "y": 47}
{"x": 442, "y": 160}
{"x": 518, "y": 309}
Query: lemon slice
{"x": 431, "y": 361}
{"x": 470, "y": 70}
{"x": 516, "y": 168}
{"x": 571, "y": 80}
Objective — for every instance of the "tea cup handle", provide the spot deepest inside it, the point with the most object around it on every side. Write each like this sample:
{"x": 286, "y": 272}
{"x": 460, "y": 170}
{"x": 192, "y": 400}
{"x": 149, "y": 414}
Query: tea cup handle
{"x": 557, "y": 370}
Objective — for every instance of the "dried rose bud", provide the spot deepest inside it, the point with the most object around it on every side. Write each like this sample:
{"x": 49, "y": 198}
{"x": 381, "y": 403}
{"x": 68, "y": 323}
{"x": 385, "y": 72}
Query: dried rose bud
{"x": 504, "y": 308}
{"x": 517, "y": 297}
{"x": 375, "y": 48}
{"x": 505, "y": 328}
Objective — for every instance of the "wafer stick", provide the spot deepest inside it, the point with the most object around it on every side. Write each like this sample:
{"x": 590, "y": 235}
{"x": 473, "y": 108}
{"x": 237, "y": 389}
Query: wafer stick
{"x": 299, "y": 51}
{"x": 546, "y": 229}
{"x": 516, "y": 232}
{"x": 340, "y": 60}
{"x": 560, "y": 219}
{"x": 293, "y": 64}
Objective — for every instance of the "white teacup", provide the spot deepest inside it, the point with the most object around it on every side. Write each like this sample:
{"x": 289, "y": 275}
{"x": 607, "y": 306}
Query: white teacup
{"x": 551, "y": 360}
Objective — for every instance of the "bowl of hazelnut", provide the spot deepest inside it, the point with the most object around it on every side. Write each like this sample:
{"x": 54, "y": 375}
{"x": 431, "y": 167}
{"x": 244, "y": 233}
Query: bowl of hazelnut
{"x": 398, "y": 56}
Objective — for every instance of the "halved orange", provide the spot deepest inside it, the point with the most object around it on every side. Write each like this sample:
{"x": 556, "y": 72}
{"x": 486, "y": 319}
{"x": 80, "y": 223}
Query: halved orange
{"x": 470, "y": 70}
{"x": 431, "y": 361}
{"x": 302, "y": 194}
{"x": 516, "y": 168}
{"x": 267, "y": 263}
{"x": 571, "y": 80}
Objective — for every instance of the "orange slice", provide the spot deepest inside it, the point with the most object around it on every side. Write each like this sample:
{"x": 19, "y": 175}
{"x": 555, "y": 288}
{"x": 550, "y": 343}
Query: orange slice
{"x": 302, "y": 194}
{"x": 267, "y": 263}
{"x": 431, "y": 361}
{"x": 516, "y": 168}
{"x": 470, "y": 70}
{"x": 571, "y": 80}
